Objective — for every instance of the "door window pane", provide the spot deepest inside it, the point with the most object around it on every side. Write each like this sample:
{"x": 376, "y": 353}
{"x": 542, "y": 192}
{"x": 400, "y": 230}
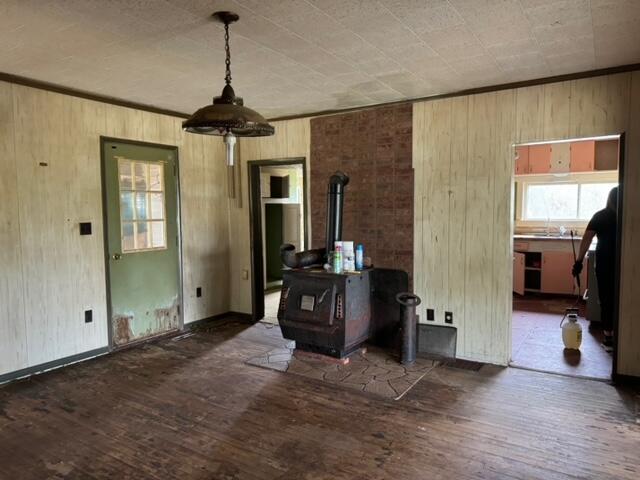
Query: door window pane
{"x": 142, "y": 208}
{"x": 155, "y": 177}
{"x": 128, "y": 241}
{"x": 551, "y": 202}
{"x": 141, "y": 170}
{"x": 124, "y": 170}
{"x": 157, "y": 205}
{"x": 157, "y": 234}
{"x": 142, "y": 235}
{"x": 126, "y": 205}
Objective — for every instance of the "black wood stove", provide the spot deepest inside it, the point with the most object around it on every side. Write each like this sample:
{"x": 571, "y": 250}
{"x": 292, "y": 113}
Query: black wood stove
{"x": 334, "y": 314}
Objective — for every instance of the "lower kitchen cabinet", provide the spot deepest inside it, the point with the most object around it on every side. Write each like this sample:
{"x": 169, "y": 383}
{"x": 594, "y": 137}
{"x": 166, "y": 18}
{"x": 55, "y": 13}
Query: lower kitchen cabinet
{"x": 546, "y": 272}
{"x": 556, "y": 272}
{"x": 518, "y": 272}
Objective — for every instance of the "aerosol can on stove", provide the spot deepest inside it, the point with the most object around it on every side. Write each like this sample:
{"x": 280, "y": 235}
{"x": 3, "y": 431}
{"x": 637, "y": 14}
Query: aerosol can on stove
{"x": 571, "y": 331}
{"x": 337, "y": 258}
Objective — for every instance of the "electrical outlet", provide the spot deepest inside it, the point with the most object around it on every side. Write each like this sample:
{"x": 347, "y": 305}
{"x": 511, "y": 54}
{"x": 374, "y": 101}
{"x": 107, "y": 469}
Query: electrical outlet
{"x": 199, "y": 292}
{"x": 448, "y": 317}
{"x": 88, "y": 316}
{"x": 431, "y": 316}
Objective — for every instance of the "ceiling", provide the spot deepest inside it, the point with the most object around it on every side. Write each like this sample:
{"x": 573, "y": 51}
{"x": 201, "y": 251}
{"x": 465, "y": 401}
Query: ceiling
{"x": 299, "y": 56}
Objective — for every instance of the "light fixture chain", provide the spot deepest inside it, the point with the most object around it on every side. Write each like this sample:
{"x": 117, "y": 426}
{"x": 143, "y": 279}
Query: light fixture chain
{"x": 227, "y": 77}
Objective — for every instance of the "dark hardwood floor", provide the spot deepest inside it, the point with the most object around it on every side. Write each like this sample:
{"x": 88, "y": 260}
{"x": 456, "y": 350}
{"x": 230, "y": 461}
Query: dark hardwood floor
{"x": 191, "y": 408}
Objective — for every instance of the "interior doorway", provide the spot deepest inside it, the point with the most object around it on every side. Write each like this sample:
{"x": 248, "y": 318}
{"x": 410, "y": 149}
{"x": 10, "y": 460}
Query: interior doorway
{"x": 278, "y": 215}
{"x": 142, "y": 241}
{"x": 558, "y": 187}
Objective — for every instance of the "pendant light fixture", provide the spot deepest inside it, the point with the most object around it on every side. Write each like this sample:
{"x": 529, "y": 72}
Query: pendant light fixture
{"x": 227, "y": 116}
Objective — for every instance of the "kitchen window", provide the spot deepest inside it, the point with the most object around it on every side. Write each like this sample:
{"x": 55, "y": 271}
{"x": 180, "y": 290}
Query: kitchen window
{"x": 569, "y": 201}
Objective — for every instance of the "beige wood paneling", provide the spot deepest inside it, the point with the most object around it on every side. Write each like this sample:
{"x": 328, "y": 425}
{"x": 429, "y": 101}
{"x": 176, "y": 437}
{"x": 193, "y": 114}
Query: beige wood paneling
{"x": 557, "y": 110}
{"x": 629, "y": 326}
{"x": 290, "y": 140}
{"x": 418, "y": 142}
{"x": 51, "y": 274}
{"x": 435, "y": 207}
{"x": 483, "y": 129}
{"x": 13, "y": 351}
{"x": 456, "y": 256}
{"x": 530, "y": 113}
{"x": 479, "y": 227}
{"x": 504, "y": 166}
{"x": 600, "y": 105}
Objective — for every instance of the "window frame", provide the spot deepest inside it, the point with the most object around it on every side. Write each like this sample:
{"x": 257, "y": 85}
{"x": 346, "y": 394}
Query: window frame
{"x": 150, "y": 221}
{"x": 523, "y": 182}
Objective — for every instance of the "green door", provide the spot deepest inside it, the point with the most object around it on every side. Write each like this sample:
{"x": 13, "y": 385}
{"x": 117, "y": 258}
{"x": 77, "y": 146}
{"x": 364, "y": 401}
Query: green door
{"x": 142, "y": 240}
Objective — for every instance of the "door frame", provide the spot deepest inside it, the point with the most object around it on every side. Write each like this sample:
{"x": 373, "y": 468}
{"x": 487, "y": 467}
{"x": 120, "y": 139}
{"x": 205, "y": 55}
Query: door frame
{"x": 105, "y": 233}
{"x": 622, "y": 154}
{"x": 255, "y": 225}
{"x": 618, "y": 262}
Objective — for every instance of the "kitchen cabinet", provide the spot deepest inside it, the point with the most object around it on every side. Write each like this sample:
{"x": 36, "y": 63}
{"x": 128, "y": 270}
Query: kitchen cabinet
{"x": 518, "y": 272}
{"x": 539, "y": 158}
{"x": 607, "y": 153}
{"x": 556, "y": 273}
{"x": 583, "y": 156}
{"x": 546, "y": 269}
{"x": 560, "y": 157}
{"x": 522, "y": 160}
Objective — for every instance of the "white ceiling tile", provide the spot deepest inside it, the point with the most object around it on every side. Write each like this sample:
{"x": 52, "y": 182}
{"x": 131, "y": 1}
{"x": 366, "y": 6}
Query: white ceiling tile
{"x": 556, "y": 12}
{"x": 295, "y": 56}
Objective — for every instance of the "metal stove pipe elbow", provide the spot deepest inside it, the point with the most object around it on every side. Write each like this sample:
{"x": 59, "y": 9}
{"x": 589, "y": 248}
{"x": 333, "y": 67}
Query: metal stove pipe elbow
{"x": 306, "y": 258}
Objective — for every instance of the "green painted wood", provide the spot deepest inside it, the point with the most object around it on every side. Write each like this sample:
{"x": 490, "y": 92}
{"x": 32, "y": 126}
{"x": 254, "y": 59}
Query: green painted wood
{"x": 273, "y": 239}
{"x": 144, "y": 286}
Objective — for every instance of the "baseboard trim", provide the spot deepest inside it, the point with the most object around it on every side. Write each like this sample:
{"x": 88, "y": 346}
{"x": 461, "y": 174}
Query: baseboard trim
{"x": 61, "y": 362}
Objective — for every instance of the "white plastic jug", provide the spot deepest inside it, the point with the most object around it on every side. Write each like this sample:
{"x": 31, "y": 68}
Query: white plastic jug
{"x": 572, "y": 332}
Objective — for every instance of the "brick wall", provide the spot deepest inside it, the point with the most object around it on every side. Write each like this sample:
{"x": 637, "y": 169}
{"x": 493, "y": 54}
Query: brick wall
{"x": 373, "y": 147}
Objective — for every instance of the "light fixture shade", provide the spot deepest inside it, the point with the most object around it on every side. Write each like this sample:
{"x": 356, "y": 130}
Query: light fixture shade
{"x": 221, "y": 118}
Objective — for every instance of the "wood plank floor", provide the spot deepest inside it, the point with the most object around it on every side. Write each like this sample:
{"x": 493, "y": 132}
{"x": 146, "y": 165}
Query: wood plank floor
{"x": 191, "y": 409}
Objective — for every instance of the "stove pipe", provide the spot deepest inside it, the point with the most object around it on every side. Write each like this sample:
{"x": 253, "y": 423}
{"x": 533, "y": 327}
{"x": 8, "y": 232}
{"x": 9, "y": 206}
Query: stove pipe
{"x": 335, "y": 201}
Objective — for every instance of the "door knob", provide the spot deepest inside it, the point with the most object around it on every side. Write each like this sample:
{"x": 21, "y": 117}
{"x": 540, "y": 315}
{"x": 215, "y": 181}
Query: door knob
{"x": 116, "y": 256}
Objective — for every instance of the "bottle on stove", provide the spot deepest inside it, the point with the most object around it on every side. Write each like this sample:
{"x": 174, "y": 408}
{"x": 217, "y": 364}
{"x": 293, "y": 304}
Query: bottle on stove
{"x": 359, "y": 257}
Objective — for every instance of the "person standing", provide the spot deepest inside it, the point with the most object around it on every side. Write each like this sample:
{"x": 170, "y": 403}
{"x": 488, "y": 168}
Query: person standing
{"x": 604, "y": 226}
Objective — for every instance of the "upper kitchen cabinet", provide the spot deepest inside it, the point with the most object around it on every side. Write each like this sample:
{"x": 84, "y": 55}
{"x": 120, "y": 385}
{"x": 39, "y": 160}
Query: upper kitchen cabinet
{"x": 583, "y": 156}
{"x": 607, "y": 153}
{"x": 560, "y": 158}
{"x": 539, "y": 159}
{"x": 522, "y": 160}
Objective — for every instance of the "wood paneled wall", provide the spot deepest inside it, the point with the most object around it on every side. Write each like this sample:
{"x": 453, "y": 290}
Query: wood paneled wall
{"x": 462, "y": 160}
{"x": 463, "y": 169}
{"x": 291, "y": 140}
{"x": 50, "y": 274}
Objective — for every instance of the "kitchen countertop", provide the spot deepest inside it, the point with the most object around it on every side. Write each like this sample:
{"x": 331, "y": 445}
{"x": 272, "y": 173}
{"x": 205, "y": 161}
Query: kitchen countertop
{"x": 544, "y": 237}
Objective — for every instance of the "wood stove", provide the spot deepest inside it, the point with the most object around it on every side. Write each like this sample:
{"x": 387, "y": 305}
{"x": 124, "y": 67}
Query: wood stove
{"x": 334, "y": 314}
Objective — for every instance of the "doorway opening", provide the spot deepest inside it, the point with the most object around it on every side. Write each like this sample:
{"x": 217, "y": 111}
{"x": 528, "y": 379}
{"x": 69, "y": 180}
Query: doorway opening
{"x": 557, "y": 188}
{"x": 142, "y": 240}
{"x": 278, "y": 216}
